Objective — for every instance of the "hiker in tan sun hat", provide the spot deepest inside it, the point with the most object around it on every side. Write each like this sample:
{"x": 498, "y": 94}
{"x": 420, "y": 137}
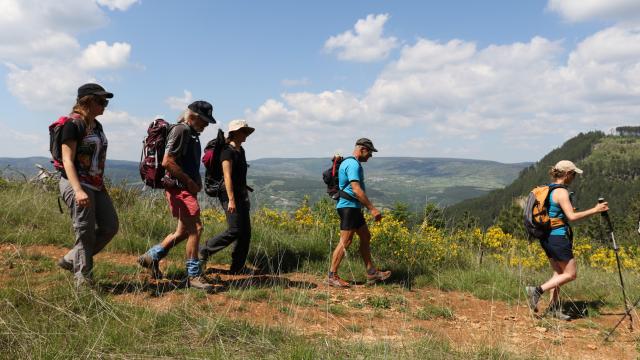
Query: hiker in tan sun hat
{"x": 234, "y": 199}
{"x": 558, "y": 245}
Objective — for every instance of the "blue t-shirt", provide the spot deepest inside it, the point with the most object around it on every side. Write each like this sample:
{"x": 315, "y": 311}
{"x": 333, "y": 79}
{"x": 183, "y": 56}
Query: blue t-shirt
{"x": 350, "y": 170}
{"x": 555, "y": 211}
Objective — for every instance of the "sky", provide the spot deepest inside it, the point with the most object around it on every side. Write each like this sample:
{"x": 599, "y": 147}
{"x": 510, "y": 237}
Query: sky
{"x": 496, "y": 80}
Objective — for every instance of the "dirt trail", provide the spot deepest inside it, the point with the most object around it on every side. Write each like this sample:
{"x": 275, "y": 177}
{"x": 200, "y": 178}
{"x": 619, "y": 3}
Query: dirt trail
{"x": 301, "y": 302}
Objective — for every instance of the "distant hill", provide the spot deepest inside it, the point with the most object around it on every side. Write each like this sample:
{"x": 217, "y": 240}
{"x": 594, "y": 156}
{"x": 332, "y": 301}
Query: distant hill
{"x": 283, "y": 183}
{"x": 611, "y": 167}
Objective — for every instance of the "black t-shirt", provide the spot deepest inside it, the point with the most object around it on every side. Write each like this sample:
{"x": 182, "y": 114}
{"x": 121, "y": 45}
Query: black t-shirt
{"x": 91, "y": 152}
{"x": 238, "y": 167}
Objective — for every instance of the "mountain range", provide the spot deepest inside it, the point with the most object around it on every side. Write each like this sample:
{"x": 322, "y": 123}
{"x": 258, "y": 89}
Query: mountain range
{"x": 284, "y": 182}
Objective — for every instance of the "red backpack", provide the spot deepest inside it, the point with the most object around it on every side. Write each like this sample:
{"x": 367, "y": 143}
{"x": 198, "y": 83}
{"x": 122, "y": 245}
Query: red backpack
{"x": 213, "y": 176}
{"x": 151, "y": 169}
{"x": 55, "y": 138}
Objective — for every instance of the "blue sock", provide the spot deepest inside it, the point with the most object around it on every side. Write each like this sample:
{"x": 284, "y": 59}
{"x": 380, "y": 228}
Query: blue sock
{"x": 193, "y": 267}
{"x": 157, "y": 252}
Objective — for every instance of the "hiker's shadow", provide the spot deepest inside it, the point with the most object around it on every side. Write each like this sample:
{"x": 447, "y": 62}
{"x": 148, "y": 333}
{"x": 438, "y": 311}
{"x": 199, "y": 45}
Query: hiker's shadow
{"x": 176, "y": 281}
{"x": 256, "y": 280}
{"x": 581, "y": 309}
{"x": 154, "y": 288}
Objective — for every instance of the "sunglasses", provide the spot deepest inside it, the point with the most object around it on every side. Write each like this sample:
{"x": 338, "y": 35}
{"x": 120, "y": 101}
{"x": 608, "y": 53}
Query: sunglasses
{"x": 102, "y": 101}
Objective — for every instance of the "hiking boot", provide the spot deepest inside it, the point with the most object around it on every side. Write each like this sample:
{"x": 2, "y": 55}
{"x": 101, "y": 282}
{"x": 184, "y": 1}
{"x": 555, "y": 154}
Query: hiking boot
{"x": 378, "y": 276}
{"x": 336, "y": 281}
{"x": 199, "y": 282}
{"x": 146, "y": 261}
{"x": 555, "y": 311}
{"x": 533, "y": 296}
{"x": 558, "y": 314}
{"x": 65, "y": 265}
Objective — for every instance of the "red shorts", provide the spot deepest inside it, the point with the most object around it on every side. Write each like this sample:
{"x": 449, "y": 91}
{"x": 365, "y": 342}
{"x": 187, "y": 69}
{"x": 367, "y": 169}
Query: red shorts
{"x": 182, "y": 203}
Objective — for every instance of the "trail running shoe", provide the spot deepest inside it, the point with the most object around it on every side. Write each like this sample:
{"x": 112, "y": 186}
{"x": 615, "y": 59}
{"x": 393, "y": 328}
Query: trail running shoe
{"x": 336, "y": 281}
{"x": 199, "y": 282}
{"x": 65, "y": 265}
{"x": 533, "y": 296}
{"x": 378, "y": 276}
{"x": 146, "y": 261}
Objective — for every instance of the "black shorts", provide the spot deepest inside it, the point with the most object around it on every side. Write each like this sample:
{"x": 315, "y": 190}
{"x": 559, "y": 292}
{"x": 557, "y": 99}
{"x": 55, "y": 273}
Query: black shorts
{"x": 351, "y": 218}
{"x": 558, "y": 247}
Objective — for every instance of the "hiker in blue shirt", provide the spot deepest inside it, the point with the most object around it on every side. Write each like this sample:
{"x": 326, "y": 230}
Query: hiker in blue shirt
{"x": 349, "y": 207}
{"x": 558, "y": 246}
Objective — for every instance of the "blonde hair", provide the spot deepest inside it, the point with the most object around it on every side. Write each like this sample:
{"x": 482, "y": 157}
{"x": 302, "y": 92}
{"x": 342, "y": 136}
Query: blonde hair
{"x": 185, "y": 115}
{"x": 82, "y": 106}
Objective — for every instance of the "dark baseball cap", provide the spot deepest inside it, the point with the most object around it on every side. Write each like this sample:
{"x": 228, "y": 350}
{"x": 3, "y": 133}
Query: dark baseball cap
{"x": 366, "y": 143}
{"x": 203, "y": 109}
{"x": 93, "y": 89}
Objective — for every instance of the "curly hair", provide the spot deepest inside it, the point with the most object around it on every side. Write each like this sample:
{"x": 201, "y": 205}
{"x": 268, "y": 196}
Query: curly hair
{"x": 557, "y": 174}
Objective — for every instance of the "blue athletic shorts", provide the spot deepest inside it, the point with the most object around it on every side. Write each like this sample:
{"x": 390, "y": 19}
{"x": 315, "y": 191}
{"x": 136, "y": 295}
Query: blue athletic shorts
{"x": 558, "y": 247}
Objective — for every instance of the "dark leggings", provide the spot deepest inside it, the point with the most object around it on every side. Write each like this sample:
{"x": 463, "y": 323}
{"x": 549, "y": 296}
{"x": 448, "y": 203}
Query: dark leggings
{"x": 238, "y": 231}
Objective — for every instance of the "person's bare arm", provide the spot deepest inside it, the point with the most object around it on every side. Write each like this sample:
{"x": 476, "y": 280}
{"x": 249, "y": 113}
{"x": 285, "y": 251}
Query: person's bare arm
{"x": 561, "y": 196}
{"x": 228, "y": 184}
{"x": 170, "y": 164}
{"x": 68, "y": 154}
{"x": 364, "y": 200}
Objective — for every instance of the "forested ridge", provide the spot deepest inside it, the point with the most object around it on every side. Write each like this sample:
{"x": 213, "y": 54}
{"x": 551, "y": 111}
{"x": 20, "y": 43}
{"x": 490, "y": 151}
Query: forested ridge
{"x": 611, "y": 167}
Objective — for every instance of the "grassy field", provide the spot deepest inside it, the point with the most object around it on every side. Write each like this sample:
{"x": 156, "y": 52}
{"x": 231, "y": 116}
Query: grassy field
{"x": 43, "y": 316}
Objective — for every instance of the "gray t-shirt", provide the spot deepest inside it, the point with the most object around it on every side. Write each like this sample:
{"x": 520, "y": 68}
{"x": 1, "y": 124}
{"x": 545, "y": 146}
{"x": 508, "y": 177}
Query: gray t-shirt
{"x": 183, "y": 143}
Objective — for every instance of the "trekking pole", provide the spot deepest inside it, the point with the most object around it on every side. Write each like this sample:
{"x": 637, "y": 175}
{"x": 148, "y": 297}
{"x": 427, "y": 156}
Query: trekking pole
{"x": 605, "y": 216}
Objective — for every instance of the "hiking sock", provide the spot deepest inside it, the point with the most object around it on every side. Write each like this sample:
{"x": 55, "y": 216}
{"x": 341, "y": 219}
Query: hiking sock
{"x": 372, "y": 271}
{"x": 539, "y": 290}
{"x": 331, "y": 274}
{"x": 193, "y": 267}
{"x": 157, "y": 252}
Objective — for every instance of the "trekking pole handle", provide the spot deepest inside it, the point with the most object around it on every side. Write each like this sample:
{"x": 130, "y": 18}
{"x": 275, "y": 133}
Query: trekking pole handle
{"x": 605, "y": 215}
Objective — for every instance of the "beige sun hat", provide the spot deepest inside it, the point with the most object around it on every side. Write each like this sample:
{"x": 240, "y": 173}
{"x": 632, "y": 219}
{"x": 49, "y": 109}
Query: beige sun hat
{"x": 240, "y": 124}
{"x": 566, "y": 166}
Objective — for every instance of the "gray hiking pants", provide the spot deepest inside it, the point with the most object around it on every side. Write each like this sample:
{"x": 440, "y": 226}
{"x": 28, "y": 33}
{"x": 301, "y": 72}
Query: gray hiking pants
{"x": 94, "y": 226}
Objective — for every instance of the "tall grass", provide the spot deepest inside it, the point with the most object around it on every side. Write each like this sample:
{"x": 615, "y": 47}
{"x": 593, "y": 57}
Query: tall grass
{"x": 42, "y": 316}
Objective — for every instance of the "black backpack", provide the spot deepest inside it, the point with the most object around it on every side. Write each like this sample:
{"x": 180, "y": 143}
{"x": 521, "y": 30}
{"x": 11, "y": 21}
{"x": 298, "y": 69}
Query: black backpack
{"x": 330, "y": 178}
{"x": 213, "y": 176}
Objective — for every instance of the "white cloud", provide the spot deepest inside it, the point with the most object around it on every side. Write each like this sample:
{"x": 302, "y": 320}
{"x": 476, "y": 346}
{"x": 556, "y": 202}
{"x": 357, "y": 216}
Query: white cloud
{"x": 46, "y": 85}
{"x": 365, "y": 43}
{"x": 177, "y": 103}
{"x": 102, "y": 56}
{"x": 121, "y": 5}
{"x": 582, "y": 10}
{"x": 45, "y": 61}
{"x": 454, "y": 95}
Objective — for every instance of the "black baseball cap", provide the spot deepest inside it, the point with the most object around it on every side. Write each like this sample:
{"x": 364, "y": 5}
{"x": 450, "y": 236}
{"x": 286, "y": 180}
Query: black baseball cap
{"x": 93, "y": 89}
{"x": 204, "y": 110}
{"x": 366, "y": 143}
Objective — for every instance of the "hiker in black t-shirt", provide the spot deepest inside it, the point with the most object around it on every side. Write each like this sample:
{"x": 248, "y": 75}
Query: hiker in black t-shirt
{"x": 235, "y": 199}
{"x": 84, "y": 152}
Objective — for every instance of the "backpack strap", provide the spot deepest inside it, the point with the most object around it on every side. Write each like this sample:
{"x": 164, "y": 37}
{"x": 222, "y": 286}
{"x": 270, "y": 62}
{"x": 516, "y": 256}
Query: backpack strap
{"x": 556, "y": 222}
{"x": 344, "y": 194}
